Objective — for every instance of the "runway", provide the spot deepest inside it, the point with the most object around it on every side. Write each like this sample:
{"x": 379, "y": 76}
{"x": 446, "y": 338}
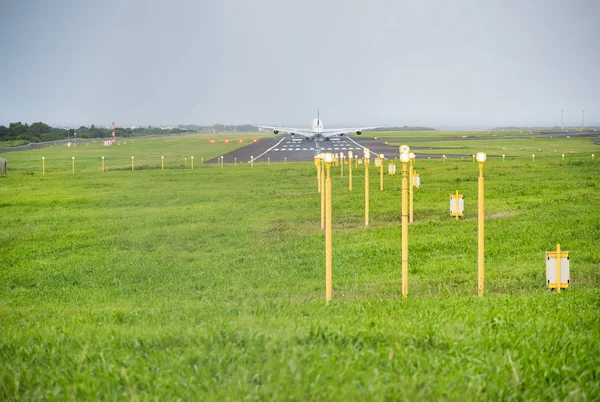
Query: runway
{"x": 297, "y": 149}
{"x": 293, "y": 149}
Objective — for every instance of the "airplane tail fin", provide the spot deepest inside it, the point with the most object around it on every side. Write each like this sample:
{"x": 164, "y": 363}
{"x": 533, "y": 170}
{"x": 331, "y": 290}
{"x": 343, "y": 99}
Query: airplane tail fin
{"x": 318, "y": 118}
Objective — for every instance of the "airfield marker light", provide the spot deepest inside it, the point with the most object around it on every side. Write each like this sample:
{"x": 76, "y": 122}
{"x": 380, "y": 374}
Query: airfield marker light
{"x": 473, "y": 158}
{"x": 349, "y": 170}
{"x": 563, "y": 157}
{"x": 284, "y": 160}
{"x": 592, "y": 156}
{"x": 202, "y": 161}
{"x": 481, "y": 158}
{"x": 503, "y": 156}
{"x": 268, "y": 160}
{"x": 328, "y": 253}
{"x": 185, "y": 162}
{"x": 240, "y": 141}
{"x": 404, "y": 148}
{"x": 342, "y": 160}
{"x": 44, "y": 164}
{"x": 366, "y": 155}
{"x": 322, "y": 169}
{"x": 557, "y": 282}
{"x": 404, "y": 158}
{"x": 533, "y": 157}
{"x": 411, "y": 187}
{"x": 381, "y": 172}
{"x": 162, "y": 163}
{"x": 226, "y": 141}
{"x": 252, "y": 161}
{"x": 356, "y": 159}
{"x": 192, "y": 163}
{"x": 234, "y": 161}
{"x": 73, "y": 159}
{"x": 212, "y": 141}
{"x": 443, "y": 158}
{"x": 132, "y": 163}
{"x": 458, "y": 205}
{"x": 254, "y": 140}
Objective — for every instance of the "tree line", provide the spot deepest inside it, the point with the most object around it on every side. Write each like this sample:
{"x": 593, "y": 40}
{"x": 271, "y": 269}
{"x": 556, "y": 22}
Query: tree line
{"x": 40, "y": 132}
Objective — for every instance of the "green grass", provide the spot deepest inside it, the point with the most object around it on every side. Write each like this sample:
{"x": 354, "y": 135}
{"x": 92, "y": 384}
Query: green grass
{"x": 147, "y": 153}
{"x": 548, "y": 148}
{"x": 13, "y": 143}
{"x": 209, "y": 284}
{"x": 440, "y": 134}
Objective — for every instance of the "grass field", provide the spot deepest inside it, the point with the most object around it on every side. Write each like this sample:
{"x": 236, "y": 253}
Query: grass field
{"x": 440, "y": 134}
{"x": 209, "y": 284}
{"x": 513, "y": 148}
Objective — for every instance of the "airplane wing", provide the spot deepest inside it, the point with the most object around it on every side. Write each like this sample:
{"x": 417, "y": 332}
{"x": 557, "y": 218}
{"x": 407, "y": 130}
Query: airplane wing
{"x": 298, "y": 131}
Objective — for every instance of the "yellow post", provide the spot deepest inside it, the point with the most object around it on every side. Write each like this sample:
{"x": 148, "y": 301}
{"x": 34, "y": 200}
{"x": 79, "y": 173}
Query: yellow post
{"x": 234, "y": 161}
{"x": 558, "y": 281}
{"x": 132, "y": 163}
{"x": 284, "y": 160}
{"x": 268, "y": 161}
{"x": 318, "y": 166}
{"x": 367, "y": 156}
{"x": 349, "y": 170}
{"x": 103, "y": 163}
{"x": 404, "y": 158}
{"x": 202, "y": 161}
{"x": 222, "y": 161}
{"x": 185, "y": 162}
{"x": 410, "y": 187}
{"x": 43, "y": 165}
{"x": 192, "y": 163}
{"x": 481, "y": 157}
{"x": 592, "y": 156}
{"x": 457, "y": 212}
{"x": 342, "y": 162}
{"x": 252, "y": 161}
{"x": 563, "y": 157}
{"x": 356, "y": 159}
{"x": 322, "y": 181}
{"x": 503, "y": 157}
{"x": 533, "y": 157}
{"x": 381, "y": 172}
{"x": 162, "y": 163}
{"x": 473, "y": 158}
{"x": 443, "y": 158}
{"x": 328, "y": 253}
{"x": 73, "y": 159}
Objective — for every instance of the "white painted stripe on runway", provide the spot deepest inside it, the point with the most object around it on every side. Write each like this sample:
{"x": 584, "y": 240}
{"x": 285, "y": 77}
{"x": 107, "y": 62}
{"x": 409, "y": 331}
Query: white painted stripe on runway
{"x": 268, "y": 150}
{"x": 364, "y": 147}
{"x": 304, "y": 149}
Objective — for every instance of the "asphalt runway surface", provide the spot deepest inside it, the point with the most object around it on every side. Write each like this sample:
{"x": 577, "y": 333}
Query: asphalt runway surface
{"x": 296, "y": 149}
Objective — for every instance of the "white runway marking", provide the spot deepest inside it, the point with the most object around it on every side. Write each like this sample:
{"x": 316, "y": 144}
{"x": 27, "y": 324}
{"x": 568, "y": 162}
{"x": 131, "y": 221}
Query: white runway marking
{"x": 269, "y": 149}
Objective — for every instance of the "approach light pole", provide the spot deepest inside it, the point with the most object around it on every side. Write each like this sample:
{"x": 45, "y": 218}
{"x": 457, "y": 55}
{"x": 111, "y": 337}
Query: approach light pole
{"x": 411, "y": 187}
{"x": 481, "y": 158}
{"x": 349, "y": 170}
{"x": 367, "y": 155}
{"x": 404, "y": 158}
{"x": 328, "y": 253}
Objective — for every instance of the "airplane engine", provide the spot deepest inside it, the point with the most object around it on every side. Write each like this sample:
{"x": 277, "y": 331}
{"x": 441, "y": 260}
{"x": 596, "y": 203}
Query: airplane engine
{"x": 342, "y": 134}
{"x": 292, "y": 133}
{"x": 275, "y": 131}
{"x": 359, "y": 132}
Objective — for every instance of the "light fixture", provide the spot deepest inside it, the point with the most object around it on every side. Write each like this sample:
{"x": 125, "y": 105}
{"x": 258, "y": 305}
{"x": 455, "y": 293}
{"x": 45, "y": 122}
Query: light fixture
{"x": 404, "y": 157}
{"x": 481, "y": 157}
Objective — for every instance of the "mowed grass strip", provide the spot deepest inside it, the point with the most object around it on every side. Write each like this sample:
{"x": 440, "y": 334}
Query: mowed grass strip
{"x": 209, "y": 284}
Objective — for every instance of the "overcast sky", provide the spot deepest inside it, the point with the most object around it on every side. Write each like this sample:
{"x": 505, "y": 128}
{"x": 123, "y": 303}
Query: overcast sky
{"x": 453, "y": 64}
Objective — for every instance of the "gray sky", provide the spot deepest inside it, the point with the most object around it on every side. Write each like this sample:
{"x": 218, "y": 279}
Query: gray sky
{"x": 459, "y": 64}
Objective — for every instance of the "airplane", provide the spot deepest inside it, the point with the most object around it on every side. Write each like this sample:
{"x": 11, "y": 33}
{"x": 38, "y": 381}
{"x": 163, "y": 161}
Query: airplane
{"x": 316, "y": 131}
